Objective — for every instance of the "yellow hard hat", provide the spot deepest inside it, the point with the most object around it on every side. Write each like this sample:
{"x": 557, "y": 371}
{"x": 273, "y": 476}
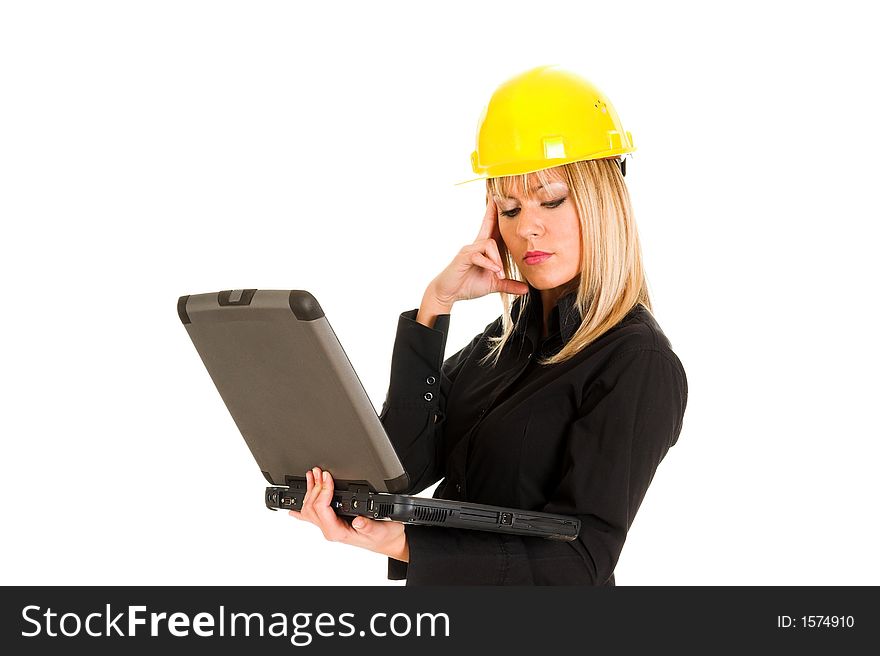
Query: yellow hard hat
{"x": 545, "y": 117}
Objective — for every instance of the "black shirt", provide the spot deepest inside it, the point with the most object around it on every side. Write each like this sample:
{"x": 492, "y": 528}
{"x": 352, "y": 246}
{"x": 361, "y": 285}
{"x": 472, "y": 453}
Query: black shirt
{"x": 582, "y": 437}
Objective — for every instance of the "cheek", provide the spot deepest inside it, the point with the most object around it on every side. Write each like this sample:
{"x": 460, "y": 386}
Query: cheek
{"x": 572, "y": 227}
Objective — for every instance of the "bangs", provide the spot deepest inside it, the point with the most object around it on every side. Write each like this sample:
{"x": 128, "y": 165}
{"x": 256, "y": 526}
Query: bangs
{"x": 521, "y": 185}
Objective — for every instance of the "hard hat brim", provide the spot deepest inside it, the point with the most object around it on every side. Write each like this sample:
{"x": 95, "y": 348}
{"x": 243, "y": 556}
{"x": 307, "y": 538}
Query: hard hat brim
{"x": 619, "y": 157}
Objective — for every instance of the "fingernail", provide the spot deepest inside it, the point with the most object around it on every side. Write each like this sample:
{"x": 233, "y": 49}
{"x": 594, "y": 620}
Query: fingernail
{"x": 326, "y": 476}
{"x": 358, "y": 523}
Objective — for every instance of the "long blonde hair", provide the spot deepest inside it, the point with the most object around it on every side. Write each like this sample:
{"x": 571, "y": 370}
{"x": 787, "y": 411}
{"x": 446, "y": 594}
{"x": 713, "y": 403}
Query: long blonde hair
{"x": 612, "y": 280}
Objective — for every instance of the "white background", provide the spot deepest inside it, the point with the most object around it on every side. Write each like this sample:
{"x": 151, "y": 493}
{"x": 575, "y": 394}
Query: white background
{"x": 154, "y": 149}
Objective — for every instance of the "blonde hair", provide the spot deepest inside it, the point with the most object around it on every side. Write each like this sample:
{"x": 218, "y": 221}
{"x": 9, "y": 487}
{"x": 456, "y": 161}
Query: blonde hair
{"x": 611, "y": 280}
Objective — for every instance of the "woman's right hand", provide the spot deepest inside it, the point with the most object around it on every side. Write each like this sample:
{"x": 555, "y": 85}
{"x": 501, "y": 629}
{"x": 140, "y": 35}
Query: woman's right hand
{"x": 477, "y": 269}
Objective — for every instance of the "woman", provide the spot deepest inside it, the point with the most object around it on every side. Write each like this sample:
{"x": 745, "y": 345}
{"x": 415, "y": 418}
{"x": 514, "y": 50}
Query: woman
{"x": 569, "y": 400}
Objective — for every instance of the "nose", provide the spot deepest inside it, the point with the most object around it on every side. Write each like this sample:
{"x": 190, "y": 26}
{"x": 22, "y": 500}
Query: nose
{"x": 529, "y": 224}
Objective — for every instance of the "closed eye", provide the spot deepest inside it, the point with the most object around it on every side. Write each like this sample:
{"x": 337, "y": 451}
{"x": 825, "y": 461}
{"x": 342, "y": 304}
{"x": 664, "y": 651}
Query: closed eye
{"x": 552, "y": 204}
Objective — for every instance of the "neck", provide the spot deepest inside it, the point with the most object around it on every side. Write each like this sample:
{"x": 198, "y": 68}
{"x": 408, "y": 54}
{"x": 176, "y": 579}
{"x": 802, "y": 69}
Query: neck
{"x": 549, "y": 298}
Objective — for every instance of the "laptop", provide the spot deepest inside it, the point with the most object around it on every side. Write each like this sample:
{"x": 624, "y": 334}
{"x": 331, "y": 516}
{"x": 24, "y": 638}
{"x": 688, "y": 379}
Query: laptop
{"x": 298, "y": 403}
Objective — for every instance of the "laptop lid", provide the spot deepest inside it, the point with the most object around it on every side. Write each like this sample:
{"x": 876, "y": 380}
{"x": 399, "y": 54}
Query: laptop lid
{"x": 290, "y": 387}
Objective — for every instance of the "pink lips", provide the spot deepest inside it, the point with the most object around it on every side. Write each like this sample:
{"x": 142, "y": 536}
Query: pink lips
{"x": 537, "y": 259}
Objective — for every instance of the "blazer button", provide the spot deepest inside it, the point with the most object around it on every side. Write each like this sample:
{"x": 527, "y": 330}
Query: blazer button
{"x": 431, "y": 380}
{"x": 428, "y": 396}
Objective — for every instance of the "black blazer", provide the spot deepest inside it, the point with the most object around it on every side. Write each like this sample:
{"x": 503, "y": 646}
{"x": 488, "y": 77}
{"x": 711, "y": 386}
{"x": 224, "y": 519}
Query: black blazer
{"x": 581, "y": 438}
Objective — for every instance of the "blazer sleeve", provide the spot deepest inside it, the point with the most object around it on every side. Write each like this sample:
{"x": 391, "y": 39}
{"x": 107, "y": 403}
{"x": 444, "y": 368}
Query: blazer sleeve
{"x": 415, "y": 405}
{"x": 624, "y": 428}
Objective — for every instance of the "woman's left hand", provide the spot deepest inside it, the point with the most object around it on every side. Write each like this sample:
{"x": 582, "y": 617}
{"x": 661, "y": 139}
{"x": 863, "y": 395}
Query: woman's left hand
{"x": 384, "y": 537}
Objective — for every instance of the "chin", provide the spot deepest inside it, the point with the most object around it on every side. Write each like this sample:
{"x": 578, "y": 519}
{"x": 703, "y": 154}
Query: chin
{"x": 545, "y": 281}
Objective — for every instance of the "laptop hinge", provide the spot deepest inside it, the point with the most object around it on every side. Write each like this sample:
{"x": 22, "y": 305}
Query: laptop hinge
{"x": 356, "y": 487}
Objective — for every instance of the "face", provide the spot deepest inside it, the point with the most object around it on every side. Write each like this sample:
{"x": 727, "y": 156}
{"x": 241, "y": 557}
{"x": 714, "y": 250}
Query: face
{"x": 547, "y": 222}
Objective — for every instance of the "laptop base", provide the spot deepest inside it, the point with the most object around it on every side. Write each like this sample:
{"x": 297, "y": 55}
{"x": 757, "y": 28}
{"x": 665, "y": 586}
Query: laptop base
{"x": 360, "y": 501}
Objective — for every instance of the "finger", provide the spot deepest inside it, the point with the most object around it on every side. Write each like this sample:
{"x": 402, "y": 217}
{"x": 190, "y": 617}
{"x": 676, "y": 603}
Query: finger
{"x": 481, "y": 260}
{"x": 490, "y": 219}
{"x": 493, "y": 253}
{"x": 316, "y": 489}
{"x": 333, "y": 527}
{"x": 310, "y": 483}
{"x": 363, "y": 525}
{"x": 510, "y": 286}
{"x": 496, "y": 226}
{"x": 325, "y": 496}
{"x": 308, "y": 509}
